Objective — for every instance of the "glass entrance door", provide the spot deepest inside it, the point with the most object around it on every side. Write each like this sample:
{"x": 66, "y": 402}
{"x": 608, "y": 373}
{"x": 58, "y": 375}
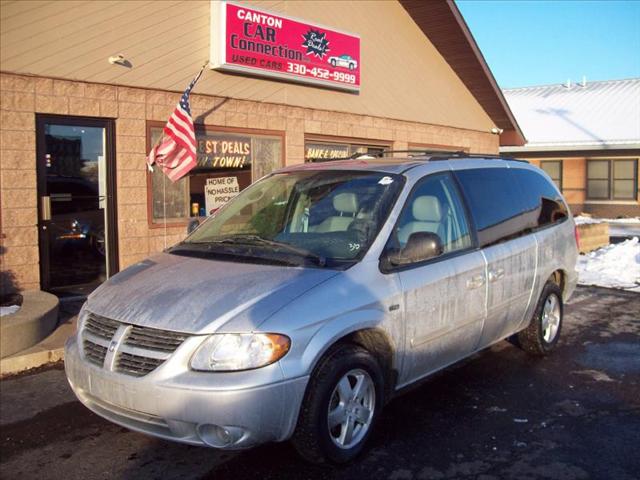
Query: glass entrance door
{"x": 75, "y": 179}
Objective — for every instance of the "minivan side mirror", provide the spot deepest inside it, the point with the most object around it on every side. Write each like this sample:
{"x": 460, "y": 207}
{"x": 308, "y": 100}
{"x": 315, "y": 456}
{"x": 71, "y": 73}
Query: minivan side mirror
{"x": 420, "y": 246}
{"x": 193, "y": 224}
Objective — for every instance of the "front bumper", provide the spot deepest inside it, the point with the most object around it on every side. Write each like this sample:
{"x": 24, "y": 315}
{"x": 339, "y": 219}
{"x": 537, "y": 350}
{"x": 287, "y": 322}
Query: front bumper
{"x": 224, "y": 410}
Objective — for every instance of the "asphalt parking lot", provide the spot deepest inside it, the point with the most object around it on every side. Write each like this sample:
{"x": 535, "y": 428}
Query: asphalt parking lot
{"x": 501, "y": 414}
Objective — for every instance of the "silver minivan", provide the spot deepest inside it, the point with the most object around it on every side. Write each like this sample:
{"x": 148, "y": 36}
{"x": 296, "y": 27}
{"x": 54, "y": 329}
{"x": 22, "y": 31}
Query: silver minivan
{"x": 321, "y": 291}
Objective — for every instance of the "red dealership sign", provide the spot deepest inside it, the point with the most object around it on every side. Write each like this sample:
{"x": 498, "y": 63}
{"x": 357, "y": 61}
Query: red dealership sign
{"x": 257, "y": 42}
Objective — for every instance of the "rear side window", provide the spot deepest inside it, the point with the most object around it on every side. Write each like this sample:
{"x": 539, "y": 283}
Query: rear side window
{"x": 508, "y": 202}
{"x": 496, "y": 203}
{"x": 541, "y": 197}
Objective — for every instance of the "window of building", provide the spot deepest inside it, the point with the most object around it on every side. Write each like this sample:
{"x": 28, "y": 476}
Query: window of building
{"x": 324, "y": 150}
{"x": 228, "y": 161}
{"x": 553, "y": 168}
{"x": 612, "y": 179}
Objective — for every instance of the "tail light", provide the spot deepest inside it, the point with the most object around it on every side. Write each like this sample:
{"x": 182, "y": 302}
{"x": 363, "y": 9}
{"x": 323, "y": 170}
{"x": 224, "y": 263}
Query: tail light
{"x": 577, "y": 234}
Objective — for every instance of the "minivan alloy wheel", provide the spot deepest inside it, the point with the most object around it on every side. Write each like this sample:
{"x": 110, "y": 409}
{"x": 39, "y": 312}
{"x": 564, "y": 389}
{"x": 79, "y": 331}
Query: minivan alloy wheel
{"x": 550, "y": 318}
{"x": 351, "y": 408}
{"x": 543, "y": 332}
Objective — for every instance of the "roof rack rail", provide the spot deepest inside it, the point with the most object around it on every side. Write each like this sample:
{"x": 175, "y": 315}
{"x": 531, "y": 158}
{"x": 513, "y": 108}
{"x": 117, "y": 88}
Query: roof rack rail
{"x": 432, "y": 154}
{"x": 415, "y": 151}
{"x": 459, "y": 153}
{"x": 490, "y": 156}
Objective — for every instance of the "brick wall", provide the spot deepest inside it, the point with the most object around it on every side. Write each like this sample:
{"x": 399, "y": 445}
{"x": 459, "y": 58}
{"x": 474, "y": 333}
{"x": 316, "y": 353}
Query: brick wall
{"x": 21, "y": 97}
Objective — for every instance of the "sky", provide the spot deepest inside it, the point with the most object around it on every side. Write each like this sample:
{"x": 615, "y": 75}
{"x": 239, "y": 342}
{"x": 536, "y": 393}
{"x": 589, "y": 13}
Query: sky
{"x": 542, "y": 42}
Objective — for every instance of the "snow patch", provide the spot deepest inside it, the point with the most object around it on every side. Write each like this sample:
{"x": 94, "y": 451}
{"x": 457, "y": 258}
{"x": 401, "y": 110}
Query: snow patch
{"x": 613, "y": 266}
{"x": 9, "y": 310}
{"x": 583, "y": 220}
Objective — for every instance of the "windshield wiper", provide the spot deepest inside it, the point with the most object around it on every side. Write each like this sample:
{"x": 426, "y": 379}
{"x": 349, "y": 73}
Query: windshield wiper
{"x": 258, "y": 240}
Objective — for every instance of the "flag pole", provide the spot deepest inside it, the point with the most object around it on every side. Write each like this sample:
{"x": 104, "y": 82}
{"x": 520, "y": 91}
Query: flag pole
{"x": 164, "y": 194}
{"x": 164, "y": 208}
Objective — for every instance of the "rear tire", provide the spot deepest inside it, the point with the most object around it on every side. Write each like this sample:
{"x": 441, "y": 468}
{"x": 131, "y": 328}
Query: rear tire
{"x": 543, "y": 332}
{"x": 345, "y": 389}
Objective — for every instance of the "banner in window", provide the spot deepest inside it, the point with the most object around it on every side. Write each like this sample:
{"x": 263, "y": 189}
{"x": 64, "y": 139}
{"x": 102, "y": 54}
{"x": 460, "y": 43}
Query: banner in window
{"x": 326, "y": 151}
{"x": 258, "y": 42}
{"x": 223, "y": 151}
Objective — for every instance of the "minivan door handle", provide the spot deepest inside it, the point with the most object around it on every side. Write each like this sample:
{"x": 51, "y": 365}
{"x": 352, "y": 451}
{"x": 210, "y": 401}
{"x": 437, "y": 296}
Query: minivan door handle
{"x": 495, "y": 275}
{"x": 475, "y": 282}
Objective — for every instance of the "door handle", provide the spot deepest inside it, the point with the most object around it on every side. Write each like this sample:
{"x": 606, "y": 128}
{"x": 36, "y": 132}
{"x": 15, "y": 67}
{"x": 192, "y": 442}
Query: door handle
{"x": 45, "y": 208}
{"x": 475, "y": 282}
{"x": 495, "y": 275}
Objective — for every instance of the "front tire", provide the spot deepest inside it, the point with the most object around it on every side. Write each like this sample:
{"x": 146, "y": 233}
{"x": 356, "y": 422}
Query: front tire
{"x": 543, "y": 333}
{"x": 341, "y": 406}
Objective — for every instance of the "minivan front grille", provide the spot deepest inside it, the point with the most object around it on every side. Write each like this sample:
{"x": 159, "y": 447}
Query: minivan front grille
{"x": 154, "y": 339}
{"x": 100, "y": 326}
{"x": 141, "y": 351}
{"x": 136, "y": 365}
{"x": 94, "y": 353}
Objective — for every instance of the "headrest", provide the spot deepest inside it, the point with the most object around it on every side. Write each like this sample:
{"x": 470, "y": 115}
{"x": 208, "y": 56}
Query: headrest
{"x": 426, "y": 208}
{"x": 346, "y": 202}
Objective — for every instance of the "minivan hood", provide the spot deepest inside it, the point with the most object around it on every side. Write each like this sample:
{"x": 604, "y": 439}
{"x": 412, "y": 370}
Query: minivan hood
{"x": 195, "y": 295}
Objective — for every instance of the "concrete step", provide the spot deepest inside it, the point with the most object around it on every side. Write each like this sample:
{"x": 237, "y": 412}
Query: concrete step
{"x": 51, "y": 349}
{"x": 36, "y": 319}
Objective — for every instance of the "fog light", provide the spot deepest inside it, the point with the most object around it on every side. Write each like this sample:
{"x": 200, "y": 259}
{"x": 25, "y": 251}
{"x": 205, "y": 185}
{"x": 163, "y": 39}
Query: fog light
{"x": 219, "y": 436}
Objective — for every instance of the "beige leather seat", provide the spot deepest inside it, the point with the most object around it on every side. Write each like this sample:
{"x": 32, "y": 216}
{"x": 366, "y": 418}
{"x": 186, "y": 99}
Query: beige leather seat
{"x": 347, "y": 205}
{"x": 427, "y": 216}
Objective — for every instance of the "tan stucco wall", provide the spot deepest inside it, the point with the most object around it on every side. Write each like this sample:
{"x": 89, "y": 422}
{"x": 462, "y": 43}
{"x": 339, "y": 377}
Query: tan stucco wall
{"x": 574, "y": 188}
{"x": 21, "y": 97}
{"x": 404, "y": 76}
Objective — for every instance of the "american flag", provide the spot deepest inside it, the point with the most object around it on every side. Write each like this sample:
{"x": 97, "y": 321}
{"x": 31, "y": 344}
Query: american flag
{"x": 175, "y": 153}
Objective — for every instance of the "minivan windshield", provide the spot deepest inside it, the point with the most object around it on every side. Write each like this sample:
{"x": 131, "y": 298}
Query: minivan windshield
{"x": 328, "y": 218}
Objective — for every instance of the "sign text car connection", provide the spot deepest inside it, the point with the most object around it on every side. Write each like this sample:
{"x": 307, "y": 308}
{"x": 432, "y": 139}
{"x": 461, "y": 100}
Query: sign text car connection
{"x": 262, "y": 43}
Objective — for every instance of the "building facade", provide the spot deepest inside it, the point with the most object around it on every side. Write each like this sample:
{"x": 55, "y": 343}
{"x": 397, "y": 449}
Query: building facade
{"x": 586, "y": 136}
{"x": 86, "y": 89}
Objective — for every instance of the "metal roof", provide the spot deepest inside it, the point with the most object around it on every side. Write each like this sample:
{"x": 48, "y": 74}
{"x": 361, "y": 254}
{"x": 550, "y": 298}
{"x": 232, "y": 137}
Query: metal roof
{"x": 593, "y": 115}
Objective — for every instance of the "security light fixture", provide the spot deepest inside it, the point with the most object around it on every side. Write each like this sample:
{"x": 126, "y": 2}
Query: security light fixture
{"x": 117, "y": 59}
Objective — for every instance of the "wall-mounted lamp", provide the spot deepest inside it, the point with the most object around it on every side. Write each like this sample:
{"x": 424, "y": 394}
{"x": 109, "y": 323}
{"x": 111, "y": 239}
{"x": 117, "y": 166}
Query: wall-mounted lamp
{"x": 119, "y": 60}
{"x": 496, "y": 130}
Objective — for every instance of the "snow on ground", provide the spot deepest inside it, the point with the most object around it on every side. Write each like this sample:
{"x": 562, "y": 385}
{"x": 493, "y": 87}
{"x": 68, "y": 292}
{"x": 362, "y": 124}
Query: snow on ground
{"x": 580, "y": 220}
{"x": 614, "y": 266}
{"x": 9, "y": 310}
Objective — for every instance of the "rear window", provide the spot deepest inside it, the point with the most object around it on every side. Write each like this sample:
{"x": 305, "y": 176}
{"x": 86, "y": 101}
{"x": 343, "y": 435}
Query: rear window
{"x": 495, "y": 201}
{"x": 541, "y": 197}
{"x": 508, "y": 202}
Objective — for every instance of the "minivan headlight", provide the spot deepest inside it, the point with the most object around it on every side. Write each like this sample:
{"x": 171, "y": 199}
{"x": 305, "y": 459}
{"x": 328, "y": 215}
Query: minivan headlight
{"x": 239, "y": 351}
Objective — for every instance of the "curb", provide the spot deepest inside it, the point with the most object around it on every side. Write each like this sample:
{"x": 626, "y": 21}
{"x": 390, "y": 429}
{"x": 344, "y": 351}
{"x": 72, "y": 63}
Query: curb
{"x": 13, "y": 365}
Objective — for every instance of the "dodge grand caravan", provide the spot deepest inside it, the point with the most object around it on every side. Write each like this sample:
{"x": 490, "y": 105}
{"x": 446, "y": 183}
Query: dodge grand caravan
{"x": 319, "y": 292}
